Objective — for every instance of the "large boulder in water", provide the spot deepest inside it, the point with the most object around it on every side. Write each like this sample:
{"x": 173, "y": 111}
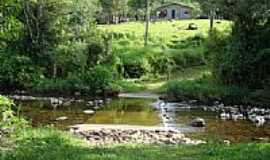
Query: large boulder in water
{"x": 198, "y": 122}
{"x": 90, "y": 112}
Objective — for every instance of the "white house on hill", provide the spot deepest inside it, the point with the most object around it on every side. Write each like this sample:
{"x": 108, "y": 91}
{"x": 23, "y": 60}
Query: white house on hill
{"x": 173, "y": 11}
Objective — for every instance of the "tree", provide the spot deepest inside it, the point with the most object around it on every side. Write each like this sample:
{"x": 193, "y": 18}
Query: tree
{"x": 244, "y": 58}
{"x": 147, "y": 22}
{"x": 209, "y": 7}
{"x": 10, "y": 25}
{"x": 112, "y": 9}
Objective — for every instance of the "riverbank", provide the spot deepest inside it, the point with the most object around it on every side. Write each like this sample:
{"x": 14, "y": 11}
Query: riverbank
{"x": 51, "y": 144}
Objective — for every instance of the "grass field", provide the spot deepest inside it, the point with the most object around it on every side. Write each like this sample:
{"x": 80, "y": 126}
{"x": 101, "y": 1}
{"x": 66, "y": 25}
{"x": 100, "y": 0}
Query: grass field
{"x": 49, "y": 144}
{"x": 165, "y": 32}
{"x": 172, "y": 49}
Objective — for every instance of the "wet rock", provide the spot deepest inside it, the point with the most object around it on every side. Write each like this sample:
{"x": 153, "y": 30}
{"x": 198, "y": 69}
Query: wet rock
{"x": 260, "y": 139}
{"x": 67, "y": 103}
{"x": 56, "y": 101}
{"x": 227, "y": 142}
{"x": 90, "y": 112}
{"x": 198, "y": 122}
{"x": 61, "y": 118}
{"x": 79, "y": 101}
{"x": 193, "y": 101}
{"x": 99, "y": 102}
{"x": 96, "y": 107}
{"x": 259, "y": 121}
{"x": 77, "y": 93}
{"x": 90, "y": 104}
{"x": 267, "y": 117}
{"x": 225, "y": 116}
{"x": 237, "y": 117}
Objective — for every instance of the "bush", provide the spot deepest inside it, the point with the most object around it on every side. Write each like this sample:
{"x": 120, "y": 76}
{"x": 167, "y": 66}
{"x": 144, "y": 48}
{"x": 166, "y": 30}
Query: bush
{"x": 134, "y": 63}
{"x": 188, "y": 57}
{"x": 206, "y": 91}
{"x": 91, "y": 82}
{"x": 9, "y": 121}
{"x": 17, "y": 72}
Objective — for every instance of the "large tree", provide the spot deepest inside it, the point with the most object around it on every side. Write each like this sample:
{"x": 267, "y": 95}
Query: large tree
{"x": 113, "y": 10}
{"x": 244, "y": 58}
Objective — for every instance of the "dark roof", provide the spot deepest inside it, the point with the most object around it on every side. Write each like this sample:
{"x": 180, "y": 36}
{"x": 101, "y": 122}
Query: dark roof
{"x": 172, "y": 4}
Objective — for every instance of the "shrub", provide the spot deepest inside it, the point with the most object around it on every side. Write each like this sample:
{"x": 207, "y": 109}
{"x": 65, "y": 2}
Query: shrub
{"x": 69, "y": 57}
{"x": 17, "y": 72}
{"x": 97, "y": 79}
{"x": 134, "y": 63}
{"x": 91, "y": 82}
{"x": 205, "y": 90}
{"x": 9, "y": 121}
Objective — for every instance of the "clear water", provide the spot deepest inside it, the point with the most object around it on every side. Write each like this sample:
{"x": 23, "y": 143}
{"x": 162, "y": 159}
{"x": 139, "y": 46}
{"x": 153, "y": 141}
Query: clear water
{"x": 140, "y": 112}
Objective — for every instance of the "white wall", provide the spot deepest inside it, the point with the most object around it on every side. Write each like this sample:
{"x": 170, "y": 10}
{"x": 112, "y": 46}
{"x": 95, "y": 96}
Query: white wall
{"x": 179, "y": 12}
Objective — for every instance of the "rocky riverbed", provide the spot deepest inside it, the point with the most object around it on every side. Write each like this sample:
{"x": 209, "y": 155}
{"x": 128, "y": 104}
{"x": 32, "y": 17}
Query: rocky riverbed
{"x": 122, "y": 134}
{"x": 258, "y": 116}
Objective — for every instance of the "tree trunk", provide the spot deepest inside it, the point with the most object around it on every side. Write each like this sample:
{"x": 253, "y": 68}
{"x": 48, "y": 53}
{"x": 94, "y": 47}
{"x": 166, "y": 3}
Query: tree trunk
{"x": 54, "y": 70}
{"x": 211, "y": 20}
{"x": 147, "y": 21}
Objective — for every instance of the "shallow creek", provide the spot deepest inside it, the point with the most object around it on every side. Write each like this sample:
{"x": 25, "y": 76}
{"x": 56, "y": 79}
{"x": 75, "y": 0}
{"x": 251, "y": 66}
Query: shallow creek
{"x": 141, "y": 112}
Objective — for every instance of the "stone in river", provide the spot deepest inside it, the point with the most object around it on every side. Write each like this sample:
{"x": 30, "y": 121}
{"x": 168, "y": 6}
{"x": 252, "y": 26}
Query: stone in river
{"x": 198, "y": 122}
{"x": 61, "y": 118}
{"x": 89, "y": 112}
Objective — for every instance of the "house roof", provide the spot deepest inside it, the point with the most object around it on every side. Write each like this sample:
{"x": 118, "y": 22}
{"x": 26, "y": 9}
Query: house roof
{"x": 172, "y": 4}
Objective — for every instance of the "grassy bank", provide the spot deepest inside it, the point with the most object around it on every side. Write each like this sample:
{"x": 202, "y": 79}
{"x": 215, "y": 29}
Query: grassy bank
{"x": 50, "y": 144}
{"x": 158, "y": 84}
{"x": 207, "y": 90}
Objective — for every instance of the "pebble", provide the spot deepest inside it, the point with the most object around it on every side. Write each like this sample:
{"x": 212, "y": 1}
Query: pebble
{"x": 89, "y": 112}
{"x": 61, "y": 118}
{"x": 198, "y": 122}
{"x": 137, "y": 136}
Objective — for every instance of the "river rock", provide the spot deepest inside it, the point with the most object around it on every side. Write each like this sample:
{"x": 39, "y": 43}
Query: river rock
{"x": 96, "y": 107}
{"x": 267, "y": 117}
{"x": 61, "y": 118}
{"x": 89, "y": 112}
{"x": 67, "y": 103}
{"x": 236, "y": 117}
{"x": 77, "y": 94}
{"x": 56, "y": 101}
{"x": 198, "y": 122}
{"x": 90, "y": 103}
{"x": 259, "y": 120}
{"x": 225, "y": 116}
{"x": 227, "y": 142}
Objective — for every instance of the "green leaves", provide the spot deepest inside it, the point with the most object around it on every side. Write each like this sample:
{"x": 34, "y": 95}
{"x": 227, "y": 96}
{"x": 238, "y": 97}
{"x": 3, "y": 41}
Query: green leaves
{"x": 9, "y": 121}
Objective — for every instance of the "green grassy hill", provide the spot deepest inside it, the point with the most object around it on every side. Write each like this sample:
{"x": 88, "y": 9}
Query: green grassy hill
{"x": 172, "y": 48}
{"x": 164, "y": 32}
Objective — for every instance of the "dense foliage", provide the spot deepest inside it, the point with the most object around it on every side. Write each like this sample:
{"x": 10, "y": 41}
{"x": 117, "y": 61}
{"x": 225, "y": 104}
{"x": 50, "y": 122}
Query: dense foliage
{"x": 237, "y": 58}
{"x": 9, "y": 121}
{"x": 52, "y": 46}
{"x": 243, "y": 57}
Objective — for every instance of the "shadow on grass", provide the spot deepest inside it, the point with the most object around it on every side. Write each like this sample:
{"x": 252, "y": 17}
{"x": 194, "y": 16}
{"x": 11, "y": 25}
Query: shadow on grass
{"x": 55, "y": 145}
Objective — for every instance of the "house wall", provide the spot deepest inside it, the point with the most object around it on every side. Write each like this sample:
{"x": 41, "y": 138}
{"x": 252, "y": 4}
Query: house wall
{"x": 179, "y": 12}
